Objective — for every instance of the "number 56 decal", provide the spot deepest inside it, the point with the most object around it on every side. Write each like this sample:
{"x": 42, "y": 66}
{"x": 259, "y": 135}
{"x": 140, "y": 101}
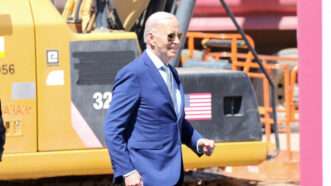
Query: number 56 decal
{"x": 101, "y": 100}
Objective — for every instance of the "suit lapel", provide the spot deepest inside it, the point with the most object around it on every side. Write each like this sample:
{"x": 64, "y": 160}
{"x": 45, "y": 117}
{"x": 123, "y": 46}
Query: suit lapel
{"x": 156, "y": 76}
{"x": 181, "y": 90}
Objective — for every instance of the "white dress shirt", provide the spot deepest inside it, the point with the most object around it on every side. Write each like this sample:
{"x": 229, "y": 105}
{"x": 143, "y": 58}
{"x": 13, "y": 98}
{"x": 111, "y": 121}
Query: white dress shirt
{"x": 159, "y": 64}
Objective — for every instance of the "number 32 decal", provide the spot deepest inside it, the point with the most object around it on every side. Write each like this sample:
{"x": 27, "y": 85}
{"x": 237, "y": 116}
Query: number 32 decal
{"x": 101, "y": 100}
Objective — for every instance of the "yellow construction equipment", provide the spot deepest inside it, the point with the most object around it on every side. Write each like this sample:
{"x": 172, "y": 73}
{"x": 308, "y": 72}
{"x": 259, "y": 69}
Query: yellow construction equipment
{"x": 55, "y": 87}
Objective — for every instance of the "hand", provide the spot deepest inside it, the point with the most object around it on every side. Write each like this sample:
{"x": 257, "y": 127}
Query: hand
{"x": 206, "y": 145}
{"x": 133, "y": 179}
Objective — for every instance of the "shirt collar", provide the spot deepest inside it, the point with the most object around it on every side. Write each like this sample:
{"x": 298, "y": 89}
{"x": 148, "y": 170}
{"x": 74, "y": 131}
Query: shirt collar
{"x": 155, "y": 59}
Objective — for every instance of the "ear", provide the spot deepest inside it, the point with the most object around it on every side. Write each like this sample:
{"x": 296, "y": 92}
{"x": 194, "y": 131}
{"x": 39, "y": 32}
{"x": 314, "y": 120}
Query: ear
{"x": 151, "y": 40}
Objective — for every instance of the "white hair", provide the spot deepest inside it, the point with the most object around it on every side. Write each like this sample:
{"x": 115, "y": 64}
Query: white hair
{"x": 154, "y": 20}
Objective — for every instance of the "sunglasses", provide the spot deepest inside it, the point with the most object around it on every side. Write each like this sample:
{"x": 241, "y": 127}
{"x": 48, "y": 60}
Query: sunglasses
{"x": 172, "y": 36}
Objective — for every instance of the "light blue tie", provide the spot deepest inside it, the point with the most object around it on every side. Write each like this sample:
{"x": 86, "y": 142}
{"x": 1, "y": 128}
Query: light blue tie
{"x": 171, "y": 86}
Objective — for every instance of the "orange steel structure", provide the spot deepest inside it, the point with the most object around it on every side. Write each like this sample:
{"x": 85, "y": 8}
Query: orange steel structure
{"x": 232, "y": 48}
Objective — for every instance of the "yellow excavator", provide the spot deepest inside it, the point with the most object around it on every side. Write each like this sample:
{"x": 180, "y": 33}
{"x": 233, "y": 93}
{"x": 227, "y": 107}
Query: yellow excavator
{"x": 57, "y": 65}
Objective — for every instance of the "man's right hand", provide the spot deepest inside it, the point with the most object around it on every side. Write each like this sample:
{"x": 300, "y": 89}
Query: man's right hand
{"x": 133, "y": 179}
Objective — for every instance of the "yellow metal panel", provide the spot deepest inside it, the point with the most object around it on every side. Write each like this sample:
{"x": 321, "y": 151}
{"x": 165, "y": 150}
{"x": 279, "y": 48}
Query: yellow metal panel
{"x": 2, "y": 47}
{"x": 92, "y": 162}
{"x": 17, "y": 76}
{"x": 130, "y": 10}
{"x": 228, "y": 154}
{"x": 54, "y": 119}
{"x": 57, "y": 163}
{"x": 55, "y": 131}
{"x": 115, "y": 35}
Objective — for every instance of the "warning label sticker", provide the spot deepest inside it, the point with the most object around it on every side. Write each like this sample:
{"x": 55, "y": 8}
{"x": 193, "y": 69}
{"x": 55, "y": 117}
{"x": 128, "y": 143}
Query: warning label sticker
{"x": 2, "y": 47}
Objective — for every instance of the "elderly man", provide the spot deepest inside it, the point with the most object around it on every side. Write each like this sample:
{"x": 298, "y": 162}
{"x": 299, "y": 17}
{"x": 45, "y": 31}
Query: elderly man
{"x": 145, "y": 125}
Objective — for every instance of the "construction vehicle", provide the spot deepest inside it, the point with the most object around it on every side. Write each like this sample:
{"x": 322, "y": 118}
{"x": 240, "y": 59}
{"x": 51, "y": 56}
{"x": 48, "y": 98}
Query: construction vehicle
{"x": 55, "y": 87}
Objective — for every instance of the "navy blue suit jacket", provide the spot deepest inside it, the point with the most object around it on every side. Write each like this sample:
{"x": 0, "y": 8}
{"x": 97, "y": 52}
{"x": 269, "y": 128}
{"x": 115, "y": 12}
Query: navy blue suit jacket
{"x": 142, "y": 130}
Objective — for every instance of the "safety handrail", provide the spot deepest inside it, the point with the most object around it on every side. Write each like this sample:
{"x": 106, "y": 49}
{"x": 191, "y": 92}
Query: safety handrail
{"x": 272, "y": 86}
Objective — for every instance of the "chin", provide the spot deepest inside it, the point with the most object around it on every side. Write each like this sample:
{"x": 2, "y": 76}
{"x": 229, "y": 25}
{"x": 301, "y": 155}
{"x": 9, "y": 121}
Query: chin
{"x": 171, "y": 57}
{"x": 172, "y": 54}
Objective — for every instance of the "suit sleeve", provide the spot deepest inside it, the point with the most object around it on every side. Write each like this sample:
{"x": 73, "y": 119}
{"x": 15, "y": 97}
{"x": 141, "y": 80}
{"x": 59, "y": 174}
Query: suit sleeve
{"x": 190, "y": 136}
{"x": 124, "y": 104}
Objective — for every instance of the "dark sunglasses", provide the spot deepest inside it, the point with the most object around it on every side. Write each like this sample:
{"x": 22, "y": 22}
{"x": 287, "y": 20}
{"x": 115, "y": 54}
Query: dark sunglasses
{"x": 172, "y": 36}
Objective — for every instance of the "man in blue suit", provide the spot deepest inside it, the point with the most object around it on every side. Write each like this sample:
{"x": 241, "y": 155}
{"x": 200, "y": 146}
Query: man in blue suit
{"x": 145, "y": 125}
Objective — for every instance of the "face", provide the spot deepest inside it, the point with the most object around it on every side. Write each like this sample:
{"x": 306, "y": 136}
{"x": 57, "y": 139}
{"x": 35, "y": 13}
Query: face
{"x": 165, "y": 39}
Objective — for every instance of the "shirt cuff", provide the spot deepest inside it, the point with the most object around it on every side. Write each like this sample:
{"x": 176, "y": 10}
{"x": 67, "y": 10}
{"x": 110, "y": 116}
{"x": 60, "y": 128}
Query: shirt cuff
{"x": 129, "y": 173}
{"x": 199, "y": 150}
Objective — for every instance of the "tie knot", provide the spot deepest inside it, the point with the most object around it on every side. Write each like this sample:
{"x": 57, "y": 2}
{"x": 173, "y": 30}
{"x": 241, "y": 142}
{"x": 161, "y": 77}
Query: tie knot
{"x": 165, "y": 69}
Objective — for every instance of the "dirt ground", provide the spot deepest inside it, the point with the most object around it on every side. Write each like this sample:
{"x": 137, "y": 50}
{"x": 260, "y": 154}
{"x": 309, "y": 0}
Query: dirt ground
{"x": 211, "y": 179}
